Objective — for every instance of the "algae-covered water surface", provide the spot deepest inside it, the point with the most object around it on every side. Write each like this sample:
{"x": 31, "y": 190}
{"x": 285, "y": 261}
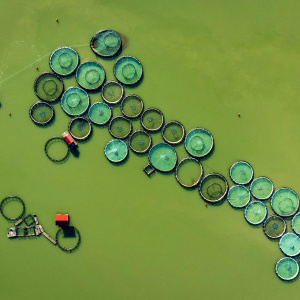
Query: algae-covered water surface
{"x": 150, "y": 238}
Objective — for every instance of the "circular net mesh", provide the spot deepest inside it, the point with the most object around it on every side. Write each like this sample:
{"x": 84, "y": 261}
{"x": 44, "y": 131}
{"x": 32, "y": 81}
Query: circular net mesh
{"x": 116, "y": 151}
{"x": 285, "y": 202}
{"x": 41, "y": 113}
{"x": 120, "y": 127}
{"x": 90, "y": 75}
{"x": 274, "y": 227}
{"x": 100, "y": 113}
{"x": 296, "y": 223}
{"x": 287, "y": 268}
{"x": 241, "y": 172}
{"x": 57, "y": 149}
{"x": 48, "y": 86}
{"x": 256, "y": 212}
{"x": 80, "y": 128}
{"x": 106, "y": 42}
{"x": 238, "y": 196}
{"x": 68, "y": 238}
{"x": 189, "y": 172}
{"x": 152, "y": 119}
{"x": 132, "y": 106}
{"x": 140, "y": 141}
{"x": 199, "y": 142}
{"x": 64, "y": 61}
{"x": 163, "y": 157}
{"x": 112, "y": 92}
{"x": 290, "y": 244}
{"x": 128, "y": 70}
{"x": 261, "y": 188}
{"x": 12, "y": 208}
{"x": 173, "y": 132}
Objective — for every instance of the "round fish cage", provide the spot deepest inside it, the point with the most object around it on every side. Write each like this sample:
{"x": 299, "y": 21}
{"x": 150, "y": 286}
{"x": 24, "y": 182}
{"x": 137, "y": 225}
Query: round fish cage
{"x": 64, "y": 61}
{"x": 90, "y": 75}
{"x": 100, "y": 113}
{"x": 48, "y": 86}
{"x": 152, "y": 119}
{"x": 274, "y": 227}
{"x": 68, "y": 234}
{"x": 116, "y": 151}
{"x": 238, "y": 196}
{"x": 296, "y": 223}
{"x": 289, "y": 244}
{"x": 256, "y": 212}
{"x": 57, "y": 149}
{"x": 285, "y": 202}
{"x": 173, "y": 132}
{"x": 80, "y": 128}
{"x": 287, "y": 268}
{"x": 241, "y": 172}
{"x": 120, "y": 127}
{"x": 75, "y": 101}
{"x": 16, "y": 208}
{"x": 106, "y": 43}
{"x": 188, "y": 172}
{"x": 112, "y": 92}
{"x": 132, "y": 106}
{"x": 128, "y": 70}
{"x": 41, "y": 113}
{"x": 199, "y": 142}
{"x": 140, "y": 141}
{"x": 213, "y": 188}
{"x": 262, "y": 188}
{"x": 163, "y": 157}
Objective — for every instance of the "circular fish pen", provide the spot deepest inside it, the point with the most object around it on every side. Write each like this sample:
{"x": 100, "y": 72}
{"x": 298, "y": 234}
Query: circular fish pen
{"x": 57, "y": 149}
{"x": 238, "y": 196}
{"x": 48, "y": 86}
{"x": 106, "y": 43}
{"x": 152, "y": 119}
{"x": 64, "y": 61}
{"x": 16, "y": 209}
{"x": 120, "y": 127}
{"x": 68, "y": 234}
{"x": 140, "y": 141}
{"x": 213, "y": 187}
{"x": 289, "y": 244}
{"x": 285, "y": 202}
{"x": 80, "y": 128}
{"x": 173, "y": 132}
{"x": 287, "y": 268}
{"x": 274, "y": 227}
{"x": 100, "y": 113}
{"x": 128, "y": 70}
{"x": 188, "y": 172}
{"x": 112, "y": 92}
{"x": 132, "y": 106}
{"x": 163, "y": 157}
{"x": 262, "y": 188}
{"x": 296, "y": 223}
{"x": 75, "y": 101}
{"x": 41, "y": 113}
{"x": 90, "y": 75}
{"x": 241, "y": 172}
{"x": 116, "y": 151}
{"x": 256, "y": 212}
{"x": 199, "y": 142}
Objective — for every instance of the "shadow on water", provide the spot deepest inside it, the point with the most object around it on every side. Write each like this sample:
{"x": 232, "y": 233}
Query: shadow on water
{"x": 75, "y": 152}
{"x": 69, "y": 232}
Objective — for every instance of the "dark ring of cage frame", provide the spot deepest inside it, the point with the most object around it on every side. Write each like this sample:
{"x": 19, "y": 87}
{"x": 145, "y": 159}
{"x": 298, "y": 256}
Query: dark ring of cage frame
{"x": 282, "y": 278}
{"x": 44, "y": 103}
{"x": 102, "y": 92}
{"x": 35, "y": 86}
{"x": 183, "y": 161}
{"x": 68, "y": 249}
{"x": 111, "y": 122}
{"x": 3, "y": 202}
{"x": 119, "y": 161}
{"x": 102, "y": 124}
{"x": 261, "y": 199}
{"x": 122, "y": 103}
{"x": 264, "y": 227}
{"x": 149, "y": 146}
{"x": 236, "y": 181}
{"x": 53, "y": 159}
{"x": 152, "y": 109}
{"x": 224, "y": 193}
{"x": 84, "y": 120}
{"x": 183, "y": 133}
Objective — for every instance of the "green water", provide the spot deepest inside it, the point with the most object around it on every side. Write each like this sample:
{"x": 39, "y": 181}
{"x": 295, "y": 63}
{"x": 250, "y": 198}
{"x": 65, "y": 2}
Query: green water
{"x": 203, "y": 62}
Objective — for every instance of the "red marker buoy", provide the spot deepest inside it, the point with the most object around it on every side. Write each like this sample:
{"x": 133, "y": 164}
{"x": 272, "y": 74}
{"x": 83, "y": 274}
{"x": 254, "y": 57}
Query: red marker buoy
{"x": 56, "y": 20}
{"x": 37, "y": 68}
{"x": 9, "y": 113}
{"x": 239, "y": 114}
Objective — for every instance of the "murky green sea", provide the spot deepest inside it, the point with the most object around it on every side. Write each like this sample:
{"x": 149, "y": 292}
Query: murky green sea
{"x": 148, "y": 238}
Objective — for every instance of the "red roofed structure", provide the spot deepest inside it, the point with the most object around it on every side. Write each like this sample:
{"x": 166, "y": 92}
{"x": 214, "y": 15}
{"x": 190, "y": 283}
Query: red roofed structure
{"x": 62, "y": 220}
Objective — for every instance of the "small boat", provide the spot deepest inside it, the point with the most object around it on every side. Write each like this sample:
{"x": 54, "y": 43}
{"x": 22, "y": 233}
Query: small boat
{"x": 69, "y": 140}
